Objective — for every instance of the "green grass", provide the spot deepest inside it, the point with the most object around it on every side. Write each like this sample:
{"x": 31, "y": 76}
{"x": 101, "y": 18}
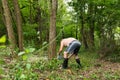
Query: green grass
{"x": 42, "y": 69}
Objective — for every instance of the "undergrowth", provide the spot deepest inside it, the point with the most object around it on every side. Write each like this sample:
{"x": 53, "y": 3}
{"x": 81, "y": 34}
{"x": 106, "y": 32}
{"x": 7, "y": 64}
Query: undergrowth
{"x": 35, "y": 68}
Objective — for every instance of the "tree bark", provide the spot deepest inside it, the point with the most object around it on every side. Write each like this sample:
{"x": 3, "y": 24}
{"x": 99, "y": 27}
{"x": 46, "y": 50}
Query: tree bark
{"x": 83, "y": 34}
{"x": 9, "y": 24}
{"x": 76, "y": 32}
{"x": 52, "y": 32}
{"x": 91, "y": 25}
{"x": 81, "y": 21}
{"x": 82, "y": 30}
{"x": 19, "y": 24}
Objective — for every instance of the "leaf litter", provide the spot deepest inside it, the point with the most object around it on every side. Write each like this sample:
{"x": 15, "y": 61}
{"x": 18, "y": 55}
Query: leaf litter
{"x": 102, "y": 70}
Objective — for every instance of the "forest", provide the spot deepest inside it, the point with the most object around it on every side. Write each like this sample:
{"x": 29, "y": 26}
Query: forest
{"x": 31, "y": 32}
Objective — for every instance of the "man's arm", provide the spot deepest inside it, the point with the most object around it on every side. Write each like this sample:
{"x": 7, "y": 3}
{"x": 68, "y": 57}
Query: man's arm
{"x": 61, "y": 47}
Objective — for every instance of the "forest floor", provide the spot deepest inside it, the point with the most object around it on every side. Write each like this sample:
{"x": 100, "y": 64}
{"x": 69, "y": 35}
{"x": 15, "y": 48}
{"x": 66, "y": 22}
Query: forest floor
{"x": 36, "y": 68}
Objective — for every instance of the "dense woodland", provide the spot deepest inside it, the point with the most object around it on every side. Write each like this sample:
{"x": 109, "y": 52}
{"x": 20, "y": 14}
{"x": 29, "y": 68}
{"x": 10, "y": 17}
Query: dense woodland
{"x": 35, "y": 27}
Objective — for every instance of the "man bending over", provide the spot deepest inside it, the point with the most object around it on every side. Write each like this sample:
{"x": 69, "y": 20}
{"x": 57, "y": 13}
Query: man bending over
{"x": 73, "y": 46}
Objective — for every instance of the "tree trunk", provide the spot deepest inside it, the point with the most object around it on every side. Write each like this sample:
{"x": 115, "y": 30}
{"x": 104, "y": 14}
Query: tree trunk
{"x": 91, "y": 25}
{"x": 19, "y": 24}
{"x": 82, "y": 21}
{"x": 52, "y": 32}
{"x": 83, "y": 34}
{"x": 76, "y": 32}
{"x": 9, "y": 24}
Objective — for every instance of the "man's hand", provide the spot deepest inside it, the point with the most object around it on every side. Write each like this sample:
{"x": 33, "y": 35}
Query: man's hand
{"x": 58, "y": 53}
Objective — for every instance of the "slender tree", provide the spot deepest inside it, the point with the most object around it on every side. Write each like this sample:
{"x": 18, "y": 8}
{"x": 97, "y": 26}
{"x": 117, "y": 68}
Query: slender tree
{"x": 19, "y": 24}
{"x": 91, "y": 23}
{"x": 82, "y": 19}
{"x": 52, "y": 30}
{"x": 9, "y": 24}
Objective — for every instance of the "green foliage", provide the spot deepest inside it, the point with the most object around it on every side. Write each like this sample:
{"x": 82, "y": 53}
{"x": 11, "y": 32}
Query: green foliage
{"x": 1, "y": 71}
{"x": 70, "y": 29}
{"x": 25, "y": 9}
{"x": 110, "y": 76}
{"x": 23, "y": 73}
{"x": 19, "y": 69}
{"x": 94, "y": 76}
{"x": 29, "y": 31}
{"x": 25, "y": 54}
{"x": 42, "y": 5}
{"x": 105, "y": 15}
{"x": 3, "y": 41}
{"x": 53, "y": 64}
{"x": 106, "y": 22}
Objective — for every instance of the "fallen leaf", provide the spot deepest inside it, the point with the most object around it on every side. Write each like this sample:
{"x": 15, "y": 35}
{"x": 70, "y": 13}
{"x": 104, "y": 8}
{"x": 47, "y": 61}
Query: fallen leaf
{"x": 69, "y": 71}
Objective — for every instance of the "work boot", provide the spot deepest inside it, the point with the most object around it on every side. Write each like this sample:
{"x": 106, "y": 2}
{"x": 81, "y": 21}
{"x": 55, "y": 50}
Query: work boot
{"x": 78, "y": 62}
{"x": 65, "y": 63}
